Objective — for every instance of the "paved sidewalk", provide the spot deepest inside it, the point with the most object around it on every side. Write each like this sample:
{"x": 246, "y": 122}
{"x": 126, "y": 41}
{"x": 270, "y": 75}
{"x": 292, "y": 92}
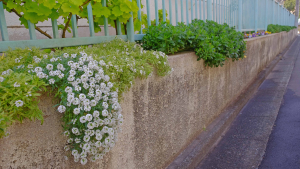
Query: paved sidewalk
{"x": 243, "y": 145}
{"x": 283, "y": 149}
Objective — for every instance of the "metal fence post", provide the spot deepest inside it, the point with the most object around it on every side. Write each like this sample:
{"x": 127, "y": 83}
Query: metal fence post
{"x": 130, "y": 29}
{"x": 3, "y": 25}
{"x": 255, "y": 15}
{"x": 266, "y": 16}
{"x": 240, "y": 20}
{"x": 209, "y": 10}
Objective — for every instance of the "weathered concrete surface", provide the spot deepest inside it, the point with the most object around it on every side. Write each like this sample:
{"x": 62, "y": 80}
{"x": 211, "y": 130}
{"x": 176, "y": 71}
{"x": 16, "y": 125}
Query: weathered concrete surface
{"x": 162, "y": 115}
{"x": 283, "y": 148}
{"x": 243, "y": 146}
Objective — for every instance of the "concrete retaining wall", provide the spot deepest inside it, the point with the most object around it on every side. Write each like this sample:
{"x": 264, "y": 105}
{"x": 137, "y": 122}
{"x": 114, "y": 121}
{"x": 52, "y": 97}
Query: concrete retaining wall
{"x": 162, "y": 115}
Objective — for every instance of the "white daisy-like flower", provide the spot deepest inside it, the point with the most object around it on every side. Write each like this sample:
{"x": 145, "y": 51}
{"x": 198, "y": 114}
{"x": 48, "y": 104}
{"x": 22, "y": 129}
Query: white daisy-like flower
{"x": 76, "y": 101}
{"x": 61, "y": 108}
{"x": 66, "y": 133}
{"x": 96, "y": 113}
{"x": 68, "y": 89}
{"x": 70, "y": 140}
{"x": 38, "y": 69}
{"x": 30, "y": 66}
{"x": 17, "y": 84}
{"x": 87, "y": 108}
{"x": 51, "y": 81}
{"x": 61, "y": 75}
{"x": 75, "y": 130}
{"x": 66, "y": 55}
{"x": 49, "y": 67}
{"x": 60, "y": 67}
{"x": 82, "y": 97}
{"x": 86, "y": 138}
{"x": 93, "y": 103}
{"x": 77, "y": 140}
{"x": 67, "y": 148}
{"x": 37, "y": 60}
{"x": 83, "y": 161}
{"x": 17, "y": 60}
{"x": 19, "y": 103}
{"x": 99, "y": 137}
{"x": 105, "y": 113}
{"x": 89, "y": 117}
{"x": 76, "y": 111}
{"x": 105, "y": 105}
{"x": 74, "y": 152}
{"x": 90, "y": 125}
{"x": 1, "y": 79}
{"x": 82, "y": 119}
{"x": 73, "y": 56}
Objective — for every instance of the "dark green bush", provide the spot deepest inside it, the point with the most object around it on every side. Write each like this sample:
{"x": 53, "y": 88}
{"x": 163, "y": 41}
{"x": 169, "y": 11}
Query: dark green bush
{"x": 212, "y": 42}
{"x": 279, "y": 28}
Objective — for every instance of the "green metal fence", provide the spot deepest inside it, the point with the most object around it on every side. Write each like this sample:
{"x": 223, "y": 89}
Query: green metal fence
{"x": 245, "y": 15}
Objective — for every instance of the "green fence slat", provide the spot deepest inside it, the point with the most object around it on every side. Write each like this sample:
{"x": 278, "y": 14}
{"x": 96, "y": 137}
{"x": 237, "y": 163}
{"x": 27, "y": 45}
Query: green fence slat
{"x": 31, "y": 29}
{"x": 213, "y": 10}
{"x": 209, "y": 10}
{"x": 170, "y": 11}
{"x": 204, "y": 10}
{"x": 74, "y": 26}
{"x": 240, "y": 21}
{"x": 266, "y": 15}
{"x": 130, "y": 28}
{"x": 200, "y": 9}
{"x": 3, "y": 25}
{"x": 91, "y": 20}
{"x": 61, "y": 42}
{"x": 219, "y": 12}
{"x": 181, "y": 6}
{"x": 255, "y": 15}
{"x": 119, "y": 31}
{"x": 176, "y": 11}
{"x": 55, "y": 29}
{"x": 156, "y": 13}
{"x": 192, "y": 11}
{"x": 139, "y": 13}
{"x": 164, "y": 10}
{"x": 187, "y": 12}
{"x": 148, "y": 13}
{"x": 106, "y": 30}
{"x": 196, "y": 9}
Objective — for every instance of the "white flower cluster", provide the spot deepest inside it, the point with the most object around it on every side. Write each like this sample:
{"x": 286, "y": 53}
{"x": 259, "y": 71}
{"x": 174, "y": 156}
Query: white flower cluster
{"x": 90, "y": 102}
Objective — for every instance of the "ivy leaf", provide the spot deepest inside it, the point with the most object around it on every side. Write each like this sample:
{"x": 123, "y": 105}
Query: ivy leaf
{"x": 125, "y": 7}
{"x": 137, "y": 25}
{"x": 70, "y": 8}
{"x": 34, "y": 18}
{"x": 24, "y": 22}
{"x": 116, "y": 11}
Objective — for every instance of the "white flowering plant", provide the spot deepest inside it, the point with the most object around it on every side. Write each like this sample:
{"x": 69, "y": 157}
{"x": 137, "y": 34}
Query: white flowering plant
{"x": 89, "y": 82}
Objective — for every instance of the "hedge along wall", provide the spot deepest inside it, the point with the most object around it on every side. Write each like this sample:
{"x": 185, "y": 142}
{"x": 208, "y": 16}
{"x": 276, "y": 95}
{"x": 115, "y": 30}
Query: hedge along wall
{"x": 162, "y": 115}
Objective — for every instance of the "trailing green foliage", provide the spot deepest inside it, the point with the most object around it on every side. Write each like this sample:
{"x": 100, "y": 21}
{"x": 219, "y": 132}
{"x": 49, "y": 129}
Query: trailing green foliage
{"x": 212, "y": 42}
{"x": 20, "y": 86}
{"x": 42, "y": 10}
{"x": 279, "y": 28}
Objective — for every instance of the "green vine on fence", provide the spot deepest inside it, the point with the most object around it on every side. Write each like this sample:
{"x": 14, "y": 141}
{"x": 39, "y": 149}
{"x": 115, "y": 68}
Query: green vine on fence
{"x": 42, "y": 10}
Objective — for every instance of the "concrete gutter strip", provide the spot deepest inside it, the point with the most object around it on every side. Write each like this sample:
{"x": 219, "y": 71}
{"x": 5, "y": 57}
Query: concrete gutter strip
{"x": 207, "y": 140}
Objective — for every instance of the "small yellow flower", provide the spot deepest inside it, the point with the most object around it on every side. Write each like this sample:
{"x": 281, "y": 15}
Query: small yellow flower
{"x": 245, "y": 56}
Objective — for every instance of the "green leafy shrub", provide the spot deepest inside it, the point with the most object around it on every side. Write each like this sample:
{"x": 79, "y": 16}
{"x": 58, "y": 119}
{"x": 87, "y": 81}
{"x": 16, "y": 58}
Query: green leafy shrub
{"x": 212, "y": 42}
{"x": 89, "y": 81}
{"x": 279, "y": 28}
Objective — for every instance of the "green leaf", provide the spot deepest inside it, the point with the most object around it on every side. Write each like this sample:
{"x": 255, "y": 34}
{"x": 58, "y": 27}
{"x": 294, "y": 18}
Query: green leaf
{"x": 116, "y": 11}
